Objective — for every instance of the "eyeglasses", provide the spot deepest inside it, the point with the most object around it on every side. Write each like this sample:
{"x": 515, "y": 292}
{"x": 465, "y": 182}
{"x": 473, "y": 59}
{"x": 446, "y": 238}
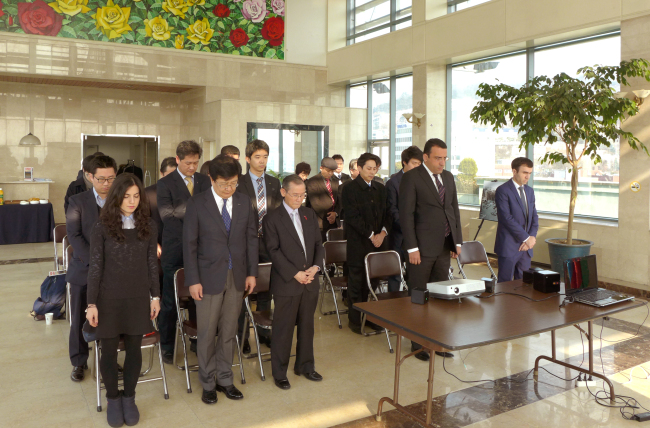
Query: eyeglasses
{"x": 227, "y": 186}
{"x": 297, "y": 195}
{"x": 104, "y": 180}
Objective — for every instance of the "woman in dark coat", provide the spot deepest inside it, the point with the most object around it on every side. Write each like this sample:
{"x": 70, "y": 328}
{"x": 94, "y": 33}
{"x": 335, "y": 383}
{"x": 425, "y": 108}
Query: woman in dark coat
{"x": 123, "y": 290}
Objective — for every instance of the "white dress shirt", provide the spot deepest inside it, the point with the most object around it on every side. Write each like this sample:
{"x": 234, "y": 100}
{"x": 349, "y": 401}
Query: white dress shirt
{"x": 128, "y": 222}
{"x": 99, "y": 199}
{"x": 183, "y": 176}
{"x": 219, "y": 201}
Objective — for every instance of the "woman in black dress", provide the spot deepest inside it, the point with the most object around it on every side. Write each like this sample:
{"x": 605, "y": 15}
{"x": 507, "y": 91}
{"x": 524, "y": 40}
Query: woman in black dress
{"x": 123, "y": 290}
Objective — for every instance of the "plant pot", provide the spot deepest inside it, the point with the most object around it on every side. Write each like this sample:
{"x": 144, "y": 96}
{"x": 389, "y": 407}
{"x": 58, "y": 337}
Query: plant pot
{"x": 560, "y": 252}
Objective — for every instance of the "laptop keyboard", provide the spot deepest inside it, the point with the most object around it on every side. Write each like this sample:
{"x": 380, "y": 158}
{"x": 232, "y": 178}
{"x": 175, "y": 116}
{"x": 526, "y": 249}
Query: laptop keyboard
{"x": 596, "y": 295}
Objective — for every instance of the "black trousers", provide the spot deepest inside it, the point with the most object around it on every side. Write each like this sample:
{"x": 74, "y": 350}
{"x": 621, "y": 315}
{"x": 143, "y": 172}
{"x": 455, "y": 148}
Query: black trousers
{"x": 357, "y": 291}
{"x": 290, "y": 310}
{"x": 168, "y": 316}
{"x": 77, "y": 346}
{"x": 132, "y": 364}
{"x": 430, "y": 269}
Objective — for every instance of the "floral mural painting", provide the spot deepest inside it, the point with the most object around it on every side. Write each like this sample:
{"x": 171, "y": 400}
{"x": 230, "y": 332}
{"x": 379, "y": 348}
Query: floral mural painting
{"x": 237, "y": 27}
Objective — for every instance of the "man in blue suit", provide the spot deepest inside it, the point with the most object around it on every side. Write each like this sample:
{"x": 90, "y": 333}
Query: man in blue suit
{"x": 411, "y": 158}
{"x": 518, "y": 223}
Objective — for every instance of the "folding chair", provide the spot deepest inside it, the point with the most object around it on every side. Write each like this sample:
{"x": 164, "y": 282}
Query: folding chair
{"x": 187, "y": 328}
{"x": 149, "y": 341}
{"x": 67, "y": 258}
{"x": 335, "y": 235}
{"x": 59, "y": 233}
{"x": 335, "y": 253}
{"x": 262, "y": 319}
{"x": 473, "y": 252}
{"x": 381, "y": 265}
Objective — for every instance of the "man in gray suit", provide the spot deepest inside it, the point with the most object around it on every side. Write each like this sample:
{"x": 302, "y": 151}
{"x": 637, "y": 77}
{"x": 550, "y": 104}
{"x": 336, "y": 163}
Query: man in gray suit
{"x": 220, "y": 254}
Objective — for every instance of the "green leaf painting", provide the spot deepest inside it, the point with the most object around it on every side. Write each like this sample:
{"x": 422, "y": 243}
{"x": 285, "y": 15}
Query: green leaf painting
{"x": 236, "y": 27}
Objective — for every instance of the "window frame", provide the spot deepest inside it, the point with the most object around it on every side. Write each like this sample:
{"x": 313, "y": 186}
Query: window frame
{"x": 392, "y": 23}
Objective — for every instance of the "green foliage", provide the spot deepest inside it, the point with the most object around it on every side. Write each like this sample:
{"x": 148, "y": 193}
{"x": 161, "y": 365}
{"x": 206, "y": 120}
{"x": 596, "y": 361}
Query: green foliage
{"x": 467, "y": 176}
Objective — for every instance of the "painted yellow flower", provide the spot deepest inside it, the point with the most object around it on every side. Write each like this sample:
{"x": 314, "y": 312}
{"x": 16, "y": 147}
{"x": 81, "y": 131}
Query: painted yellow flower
{"x": 180, "y": 41}
{"x": 158, "y": 28}
{"x": 177, "y": 7}
{"x": 200, "y": 32}
{"x": 70, "y": 7}
{"x": 113, "y": 20}
{"x": 196, "y": 2}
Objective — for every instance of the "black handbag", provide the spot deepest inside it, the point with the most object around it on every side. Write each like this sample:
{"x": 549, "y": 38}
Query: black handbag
{"x": 89, "y": 332}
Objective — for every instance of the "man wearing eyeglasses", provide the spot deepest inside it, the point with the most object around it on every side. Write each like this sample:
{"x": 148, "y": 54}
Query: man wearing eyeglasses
{"x": 294, "y": 243}
{"x": 81, "y": 216}
{"x": 430, "y": 221}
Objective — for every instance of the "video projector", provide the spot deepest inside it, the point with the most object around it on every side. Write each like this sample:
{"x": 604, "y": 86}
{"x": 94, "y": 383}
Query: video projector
{"x": 456, "y": 288}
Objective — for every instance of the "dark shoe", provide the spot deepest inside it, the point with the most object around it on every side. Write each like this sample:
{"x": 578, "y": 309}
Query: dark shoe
{"x": 115, "y": 411}
{"x": 193, "y": 347}
{"x": 131, "y": 413}
{"x": 311, "y": 376}
{"x": 422, "y": 356}
{"x": 246, "y": 348}
{"x": 282, "y": 383}
{"x": 265, "y": 340}
{"x": 209, "y": 397}
{"x": 168, "y": 357}
{"x": 374, "y": 326}
{"x": 231, "y": 391}
{"x": 355, "y": 328}
{"x": 445, "y": 354}
{"x": 77, "y": 374}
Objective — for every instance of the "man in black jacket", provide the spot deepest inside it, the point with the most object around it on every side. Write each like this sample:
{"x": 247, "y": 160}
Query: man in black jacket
{"x": 411, "y": 158}
{"x": 338, "y": 173}
{"x": 82, "y": 215}
{"x": 167, "y": 166}
{"x": 81, "y": 184}
{"x": 430, "y": 221}
{"x": 293, "y": 240}
{"x": 323, "y": 196}
{"x": 367, "y": 223}
{"x": 174, "y": 191}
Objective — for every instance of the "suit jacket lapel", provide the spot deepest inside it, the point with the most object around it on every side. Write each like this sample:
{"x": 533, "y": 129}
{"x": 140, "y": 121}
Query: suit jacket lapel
{"x": 92, "y": 206}
{"x": 182, "y": 183}
{"x": 429, "y": 182}
{"x": 288, "y": 224}
{"x": 236, "y": 210}
{"x": 270, "y": 191}
{"x": 213, "y": 208}
{"x": 518, "y": 198}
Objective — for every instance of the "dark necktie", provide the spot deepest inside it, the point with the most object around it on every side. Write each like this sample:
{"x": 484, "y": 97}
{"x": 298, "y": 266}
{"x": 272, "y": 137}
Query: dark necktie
{"x": 524, "y": 202}
{"x": 226, "y": 220}
{"x": 261, "y": 205}
{"x": 441, "y": 192}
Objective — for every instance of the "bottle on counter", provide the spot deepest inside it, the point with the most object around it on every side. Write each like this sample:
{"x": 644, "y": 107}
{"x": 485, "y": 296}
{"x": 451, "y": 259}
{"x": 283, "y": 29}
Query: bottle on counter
{"x": 2, "y": 197}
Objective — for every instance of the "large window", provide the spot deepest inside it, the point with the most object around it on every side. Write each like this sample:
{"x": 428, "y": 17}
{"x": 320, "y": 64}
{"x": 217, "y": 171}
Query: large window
{"x": 477, "y": 154}
{"x": 456, "y": 5}
{"x": 372, "y": 18}
{"x": 388, "y": 131}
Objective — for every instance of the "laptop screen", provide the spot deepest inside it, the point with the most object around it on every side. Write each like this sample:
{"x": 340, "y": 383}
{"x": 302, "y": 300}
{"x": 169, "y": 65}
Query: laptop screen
{"x": 580, "y": 273}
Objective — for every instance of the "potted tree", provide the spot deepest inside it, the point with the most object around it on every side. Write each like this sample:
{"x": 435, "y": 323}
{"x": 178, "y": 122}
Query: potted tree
{"x": 585, "y": 113}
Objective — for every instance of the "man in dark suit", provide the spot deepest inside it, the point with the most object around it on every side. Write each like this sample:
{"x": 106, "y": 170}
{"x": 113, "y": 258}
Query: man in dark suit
{"x": 220, "y": 251}
{"x": 367, "y": 223}
{"x": 174, "y": 191}
{"x": 82, "y": 215}
{"x": 81, "y": 184}
{"x": 518, "y": 222}
{"x": 430, "y": 221}
{"x": 411, "y": 158}
{"x": 263, "y": 190}
{"x": 338, "y": 173}
{"x": 293, "y": 240}
{"x": 167, "y": 166}
{"x": 323, "y": 196}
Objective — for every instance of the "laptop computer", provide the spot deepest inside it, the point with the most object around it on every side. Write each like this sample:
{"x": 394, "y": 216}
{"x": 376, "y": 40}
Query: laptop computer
{"x": 581, "y": 283}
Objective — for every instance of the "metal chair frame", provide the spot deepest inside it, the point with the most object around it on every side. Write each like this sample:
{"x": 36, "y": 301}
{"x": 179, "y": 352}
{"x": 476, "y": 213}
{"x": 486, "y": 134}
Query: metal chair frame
{"x": 180, "y": 333}
{"x": 329, "y": 233}
{"x": 68, "y": 296}
{"x": 373, "y": 297}
{"x": 98, "y": 377}
{"x": 487, "y": 260}
{"x": 329, "y": 286}
{"x": 56, "y": 245}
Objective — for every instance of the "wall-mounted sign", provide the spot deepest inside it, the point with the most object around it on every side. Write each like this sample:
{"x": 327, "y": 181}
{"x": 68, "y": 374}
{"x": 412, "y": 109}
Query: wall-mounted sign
{"x": 635, "y": 186}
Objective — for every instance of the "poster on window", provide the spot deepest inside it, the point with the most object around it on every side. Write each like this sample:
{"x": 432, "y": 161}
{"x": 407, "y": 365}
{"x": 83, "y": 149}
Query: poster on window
{"x": 488, "y": 201}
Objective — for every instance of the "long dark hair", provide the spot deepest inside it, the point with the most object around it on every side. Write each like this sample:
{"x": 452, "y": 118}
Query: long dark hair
{"x": 111, "y": 215}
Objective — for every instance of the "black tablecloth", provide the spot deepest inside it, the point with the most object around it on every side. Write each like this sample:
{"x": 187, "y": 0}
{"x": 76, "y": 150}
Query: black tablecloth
{"x": 21, "y": 224}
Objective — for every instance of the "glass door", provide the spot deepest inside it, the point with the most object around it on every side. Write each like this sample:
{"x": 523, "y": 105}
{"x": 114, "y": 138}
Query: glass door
{"x": 381, "y": 148}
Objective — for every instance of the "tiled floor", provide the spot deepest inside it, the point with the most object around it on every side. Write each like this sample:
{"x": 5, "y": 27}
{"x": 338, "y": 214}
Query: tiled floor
{"x": 36, "y": 389}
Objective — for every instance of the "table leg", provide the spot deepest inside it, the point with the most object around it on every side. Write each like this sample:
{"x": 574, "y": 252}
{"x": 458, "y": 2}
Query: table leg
{"x": 432, "y": 359}
{"x": 590, "y": 371}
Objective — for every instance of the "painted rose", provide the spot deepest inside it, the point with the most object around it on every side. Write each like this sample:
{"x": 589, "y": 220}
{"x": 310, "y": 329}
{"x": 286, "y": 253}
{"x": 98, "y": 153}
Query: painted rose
{"x": 222, "y": 11}
{"x": 254, "y": 10}
{"x": 179, "y": 42}
{"x": 273, "y": 31}
{"x": 113, "y": 20}
{"x": 200, "y": 32}
{"x": 177, "y": 7}
{"x": 70, "y": 7}
{"x": 11, "y": 19}
{"x": 158, "y": 28}
{"x": 2, "y": 13}
{"x": 278, "y": 7}
{"x": 196, "y": 2}
{"x": 238, "y": 37}
{"x": 39, "y": 18}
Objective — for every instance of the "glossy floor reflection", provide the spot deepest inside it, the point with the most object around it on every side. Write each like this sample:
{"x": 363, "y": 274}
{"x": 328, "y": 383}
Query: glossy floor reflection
{"x": 358, "y": 371}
